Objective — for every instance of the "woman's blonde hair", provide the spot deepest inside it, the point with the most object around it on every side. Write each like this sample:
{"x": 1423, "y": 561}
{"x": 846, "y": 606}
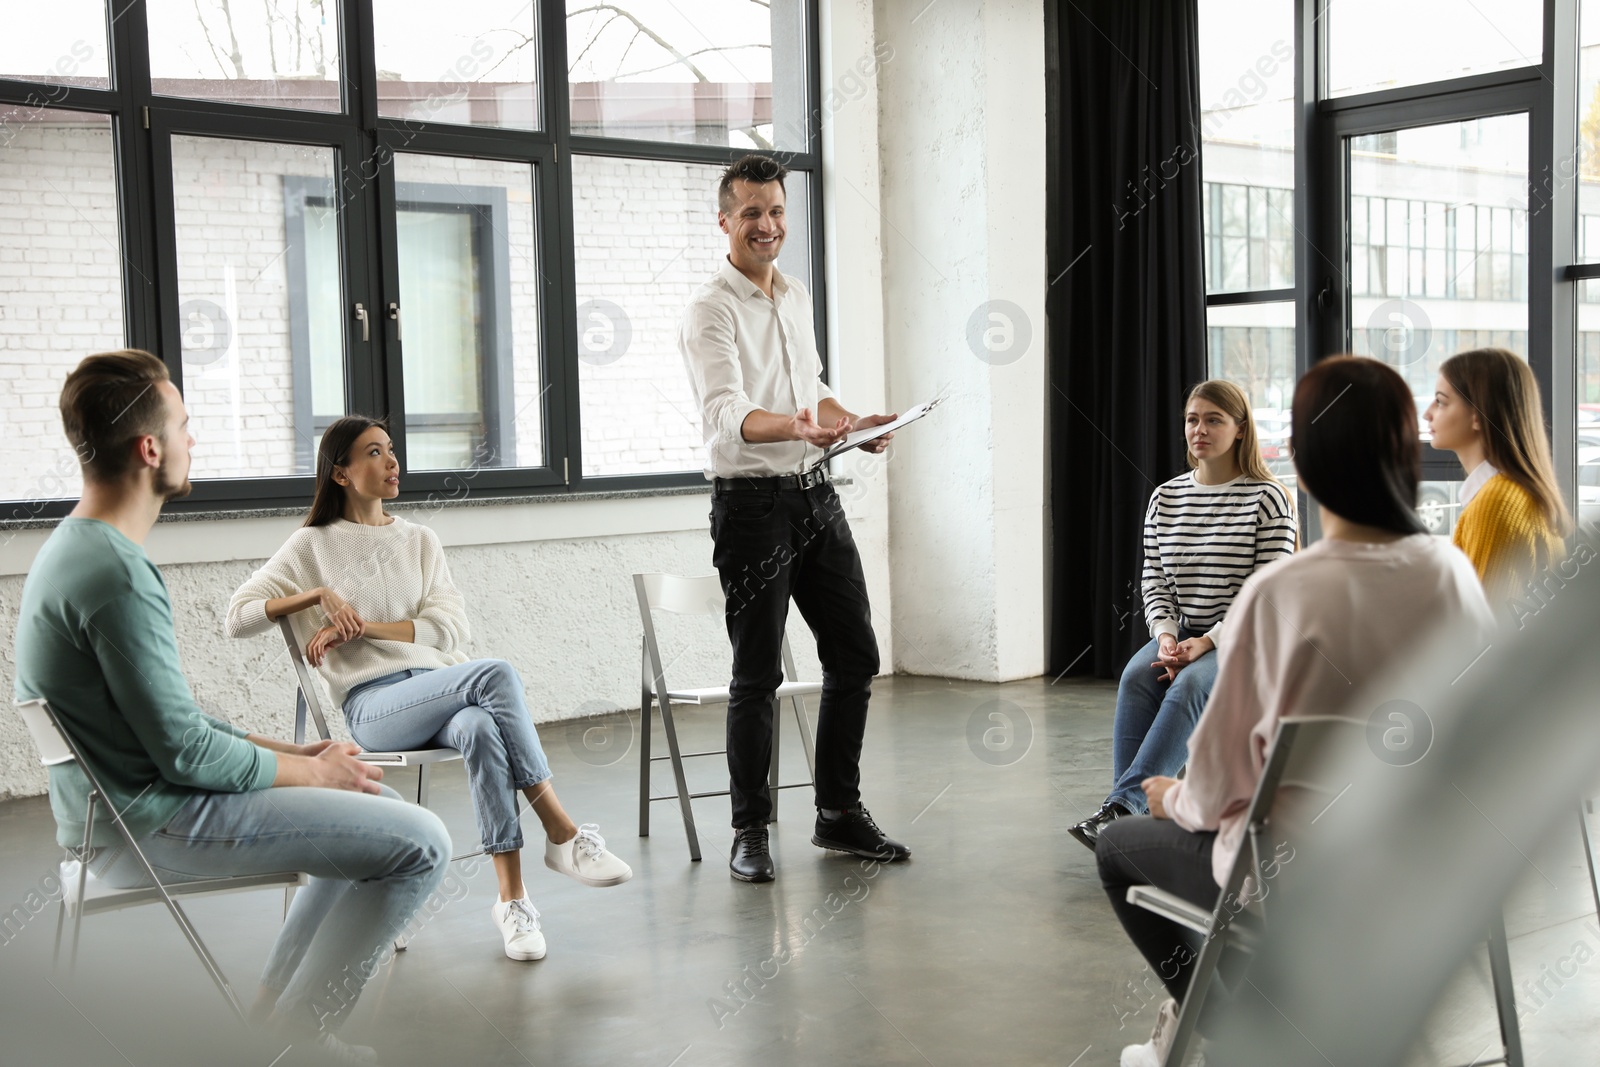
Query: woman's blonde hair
{"x": 1501, "y": 389}
{"x": 1231, "y": 399}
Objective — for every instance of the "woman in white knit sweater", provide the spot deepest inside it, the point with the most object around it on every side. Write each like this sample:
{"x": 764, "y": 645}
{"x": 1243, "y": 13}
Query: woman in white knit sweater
{"x": 370, "y": 599}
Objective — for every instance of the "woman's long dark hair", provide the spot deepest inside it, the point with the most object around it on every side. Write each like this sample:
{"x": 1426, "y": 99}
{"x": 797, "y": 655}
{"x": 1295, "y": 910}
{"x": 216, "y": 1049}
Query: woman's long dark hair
{"x": 1355, "y": 442}
{"x": 334, "y": 451}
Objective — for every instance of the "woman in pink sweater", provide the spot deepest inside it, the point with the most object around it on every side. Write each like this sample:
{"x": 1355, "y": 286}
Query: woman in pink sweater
{"x": 1304, "y": 634}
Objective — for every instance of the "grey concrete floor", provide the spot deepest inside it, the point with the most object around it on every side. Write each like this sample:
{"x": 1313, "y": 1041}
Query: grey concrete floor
{"x": 994, "y": 944}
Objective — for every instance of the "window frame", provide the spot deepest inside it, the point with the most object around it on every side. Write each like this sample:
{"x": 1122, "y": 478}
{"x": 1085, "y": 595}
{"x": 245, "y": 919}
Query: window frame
{"x": 143, "y": 124}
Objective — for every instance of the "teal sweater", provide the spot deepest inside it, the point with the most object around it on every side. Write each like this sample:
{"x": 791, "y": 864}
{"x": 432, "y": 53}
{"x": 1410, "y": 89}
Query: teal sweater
{"x": 95, "y": 638}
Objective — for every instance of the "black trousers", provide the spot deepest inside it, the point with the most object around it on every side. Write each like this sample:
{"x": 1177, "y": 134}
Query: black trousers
{"x": 771, "y": 545}
{"x": 1141, "y": 850}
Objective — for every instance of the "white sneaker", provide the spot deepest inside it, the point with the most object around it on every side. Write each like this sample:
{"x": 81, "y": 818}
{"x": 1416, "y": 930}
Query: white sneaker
{"x": 518, "y": 921}
{"x": 335, "y": 1051}
{"x": 1153, "y": 1053}
{"x": 585, "y": 859}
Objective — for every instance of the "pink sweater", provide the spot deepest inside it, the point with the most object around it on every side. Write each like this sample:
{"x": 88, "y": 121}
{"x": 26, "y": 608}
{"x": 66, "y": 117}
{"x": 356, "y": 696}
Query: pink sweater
{"x": 1303, "y": 636}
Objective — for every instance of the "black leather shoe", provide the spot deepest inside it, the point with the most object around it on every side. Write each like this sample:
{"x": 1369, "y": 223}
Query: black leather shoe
{"x": 751, "y": 862}
{"x": 1088, "y": 831}
{"x": 855, "y": 832}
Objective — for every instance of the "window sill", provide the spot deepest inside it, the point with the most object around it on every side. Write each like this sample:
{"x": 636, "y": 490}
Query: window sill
{"x": 249, "y": 534}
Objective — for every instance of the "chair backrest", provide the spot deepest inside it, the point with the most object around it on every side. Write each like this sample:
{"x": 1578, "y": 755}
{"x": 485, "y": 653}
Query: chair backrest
{"x": 697, "y": 595}
{"x": 307, "y": 698}
{"x": 1299, "y": 754}
{"x": 47, "y": 738}
{"x": 682, "y": 595}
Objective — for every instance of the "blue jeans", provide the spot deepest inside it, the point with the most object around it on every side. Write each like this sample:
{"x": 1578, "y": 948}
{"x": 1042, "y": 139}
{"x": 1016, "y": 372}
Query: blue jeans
{"x": 1154, "y": 720}
{"x": 476, "y": 707}
{"x": 373, "y": 861}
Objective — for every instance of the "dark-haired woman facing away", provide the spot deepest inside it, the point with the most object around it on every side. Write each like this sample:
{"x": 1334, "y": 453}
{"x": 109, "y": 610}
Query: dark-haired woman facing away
{"x": 1302, "y": 636}
{"x": 370, "y": 599}
{"x": 1486, "y": 410}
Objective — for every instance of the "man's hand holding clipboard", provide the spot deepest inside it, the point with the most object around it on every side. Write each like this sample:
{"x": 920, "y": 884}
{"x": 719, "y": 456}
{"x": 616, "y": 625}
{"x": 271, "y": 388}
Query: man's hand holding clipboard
{"x": 878, "y": 431}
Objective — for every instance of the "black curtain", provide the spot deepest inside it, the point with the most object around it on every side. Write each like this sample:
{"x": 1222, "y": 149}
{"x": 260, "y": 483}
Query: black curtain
{"x": 1126, "y": 302}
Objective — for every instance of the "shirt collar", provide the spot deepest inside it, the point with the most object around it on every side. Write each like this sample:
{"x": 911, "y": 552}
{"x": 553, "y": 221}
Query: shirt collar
{"x": 744, "y": 288}
{"x": 1476, "y": 480}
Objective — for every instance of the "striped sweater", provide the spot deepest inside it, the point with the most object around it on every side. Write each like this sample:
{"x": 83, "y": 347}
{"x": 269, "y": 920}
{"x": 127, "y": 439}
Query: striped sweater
{"x": 1202, "y": 541}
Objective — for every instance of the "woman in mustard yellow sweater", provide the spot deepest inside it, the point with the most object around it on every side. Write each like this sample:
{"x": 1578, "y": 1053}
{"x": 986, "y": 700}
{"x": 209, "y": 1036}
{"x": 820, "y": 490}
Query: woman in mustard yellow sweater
{"x": 1486, "y": 410}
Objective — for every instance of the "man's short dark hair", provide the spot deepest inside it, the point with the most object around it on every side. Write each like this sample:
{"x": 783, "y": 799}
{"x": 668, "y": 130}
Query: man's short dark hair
{"x": 752, "y": 168}
{"x": 110, "y": 401}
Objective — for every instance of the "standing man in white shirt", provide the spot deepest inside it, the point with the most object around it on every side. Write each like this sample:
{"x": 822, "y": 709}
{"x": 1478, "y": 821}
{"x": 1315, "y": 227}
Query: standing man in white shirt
{"x": 778, "y": 528}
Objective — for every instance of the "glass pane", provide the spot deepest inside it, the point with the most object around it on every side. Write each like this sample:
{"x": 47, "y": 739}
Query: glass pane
{"x": 282, "y": 54}
{"x": 1252, "y": 345}
{"x": 637, "y": 411}
{"x": 723, "y": 72}
{"x": 63, "y": 42}
{"x": 1588, "y": 412}
{"x": 479, "y": 68}
{"x": 1588, "y": 132}
{"x": 60, "y": 287}
{"x": 469, "y": 303}
{"x": 1247, "y": 130}
{"x": 1412, "y": 315}
{"x": 261, "y": 302}
{"x": 1373, "y": 44}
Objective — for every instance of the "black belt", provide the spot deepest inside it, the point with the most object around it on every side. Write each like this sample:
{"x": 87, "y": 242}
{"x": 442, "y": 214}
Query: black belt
{"x": 813, "y": 477}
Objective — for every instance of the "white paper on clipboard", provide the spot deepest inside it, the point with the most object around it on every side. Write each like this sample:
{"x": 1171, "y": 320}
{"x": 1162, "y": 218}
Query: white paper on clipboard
{"x": 860, "y": 437}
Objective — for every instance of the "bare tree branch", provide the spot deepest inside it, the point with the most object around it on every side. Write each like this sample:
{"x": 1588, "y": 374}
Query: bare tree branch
{"x": 697, "y": 52}
{"x": 648, "y": 32}
{"x": 272, "y": 40}
{"x": 233, "y": 41}
{"x": 592, "y": 42}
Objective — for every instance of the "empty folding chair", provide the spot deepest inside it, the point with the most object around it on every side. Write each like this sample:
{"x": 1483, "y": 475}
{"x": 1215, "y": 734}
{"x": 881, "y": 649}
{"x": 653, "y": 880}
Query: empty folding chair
{"x": 701, "y": 595}
{"x": 84, "y": 894}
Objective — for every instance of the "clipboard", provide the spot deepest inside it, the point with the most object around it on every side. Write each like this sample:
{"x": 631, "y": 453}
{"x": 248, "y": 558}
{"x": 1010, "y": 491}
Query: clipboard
{"x": 858, "y": 438}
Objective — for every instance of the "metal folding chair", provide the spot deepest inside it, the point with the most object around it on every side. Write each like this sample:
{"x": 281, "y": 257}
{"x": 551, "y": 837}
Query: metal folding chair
{"x": 701, "y": 595}
{"x": 1298, "y": 751}
{"x": 1586, "y": 809}
{"x": 83, "y": 894}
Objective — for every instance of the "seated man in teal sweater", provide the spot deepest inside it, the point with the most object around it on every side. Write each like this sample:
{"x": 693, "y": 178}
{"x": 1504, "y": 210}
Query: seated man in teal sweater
{"x": 95, "y": 638}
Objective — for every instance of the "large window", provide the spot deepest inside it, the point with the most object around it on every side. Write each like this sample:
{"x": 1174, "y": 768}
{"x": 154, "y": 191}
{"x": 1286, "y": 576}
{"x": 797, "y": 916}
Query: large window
{"x": 1366, "y": 195}
{"x": 311, "y": 208}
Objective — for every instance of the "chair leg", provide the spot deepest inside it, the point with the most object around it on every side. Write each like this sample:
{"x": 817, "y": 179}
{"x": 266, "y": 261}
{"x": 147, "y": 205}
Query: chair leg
{"x": 1505, "y": 996}
{"x": 422, "y": 784}
{"x": 772, "y": 769}
{"x": 1205, "y": 969}
{"x": 807, "y": 742}
{"x": 61, "y": 922}
{"x": 684, "y": 805}
{"x": 644, "y": 763}
{"x": 1588, "y": 851}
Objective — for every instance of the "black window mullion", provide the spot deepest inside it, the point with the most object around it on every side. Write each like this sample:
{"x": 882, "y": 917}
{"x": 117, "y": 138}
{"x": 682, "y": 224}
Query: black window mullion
{"x": 557, "y": 237}
{"x": 130, "y": 80}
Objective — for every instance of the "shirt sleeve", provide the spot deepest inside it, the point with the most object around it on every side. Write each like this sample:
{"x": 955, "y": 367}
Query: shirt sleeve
{"x": 710, "y": 349}
{"x": 133, "y": 638}
{"x": 1222, "y": 773}
{"x": 280, "y": 576}
{"x": 441, "y": 620}
{"x": 1160, "y": 605}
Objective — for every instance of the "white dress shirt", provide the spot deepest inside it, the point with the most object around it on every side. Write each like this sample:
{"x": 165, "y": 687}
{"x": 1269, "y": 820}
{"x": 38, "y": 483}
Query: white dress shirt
{"x": 1477, "y": 480}
{"x": 746, "y": 352}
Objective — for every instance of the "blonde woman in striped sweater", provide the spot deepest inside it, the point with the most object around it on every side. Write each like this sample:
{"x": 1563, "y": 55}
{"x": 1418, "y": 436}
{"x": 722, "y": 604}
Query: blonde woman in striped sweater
{"x": 369, "y": 596}
{"x": 1486, "y": 409}
{"x": 1205, "y": 532}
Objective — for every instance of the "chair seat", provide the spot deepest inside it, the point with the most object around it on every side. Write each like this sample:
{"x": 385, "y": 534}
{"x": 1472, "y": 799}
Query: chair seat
{"x": 411, "y": 757}
{"x": 1170, "y": 906}
{"x": 718, "y": 694}
{"x": 100, "y": 897}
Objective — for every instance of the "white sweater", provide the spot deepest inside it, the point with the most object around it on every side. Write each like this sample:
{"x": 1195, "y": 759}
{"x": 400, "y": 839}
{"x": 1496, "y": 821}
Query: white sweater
{"x": 393, "y": 573}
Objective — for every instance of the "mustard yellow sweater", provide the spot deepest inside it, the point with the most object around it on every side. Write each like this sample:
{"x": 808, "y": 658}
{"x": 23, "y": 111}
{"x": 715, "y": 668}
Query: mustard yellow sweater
{"x": 1507, "y": 538}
